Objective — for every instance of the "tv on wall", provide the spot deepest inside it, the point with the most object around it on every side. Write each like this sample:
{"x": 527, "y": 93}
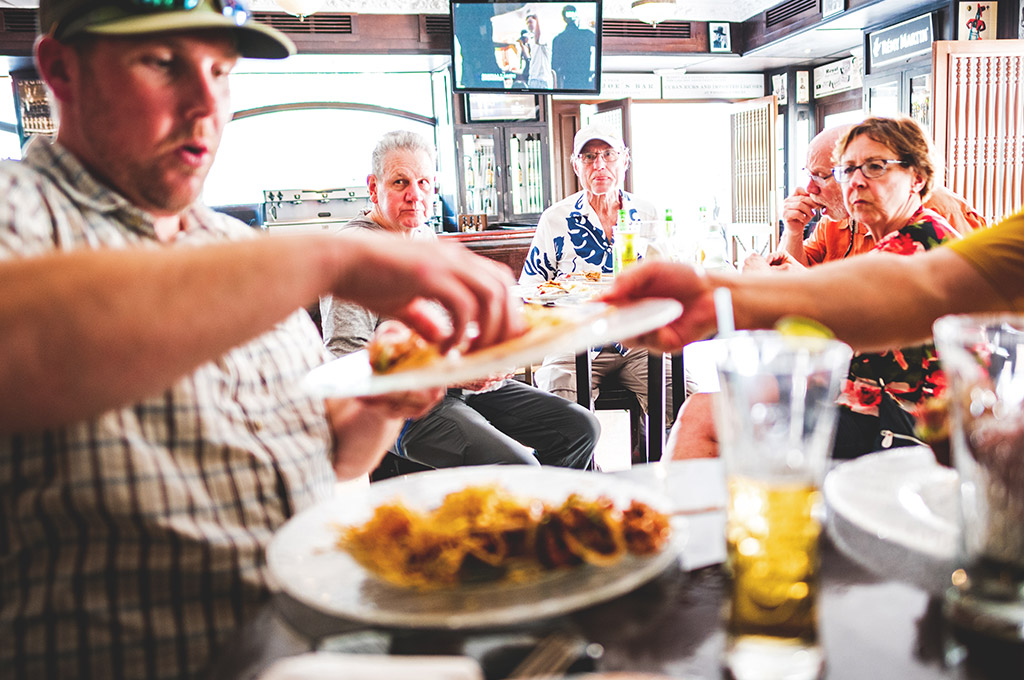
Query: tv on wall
{"x": 540, "y": 47}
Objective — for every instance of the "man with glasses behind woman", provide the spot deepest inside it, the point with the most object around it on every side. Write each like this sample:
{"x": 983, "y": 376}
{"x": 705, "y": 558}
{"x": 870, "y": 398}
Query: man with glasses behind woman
{"x": 574, "y": 236}
{"x": 836, "y": 235}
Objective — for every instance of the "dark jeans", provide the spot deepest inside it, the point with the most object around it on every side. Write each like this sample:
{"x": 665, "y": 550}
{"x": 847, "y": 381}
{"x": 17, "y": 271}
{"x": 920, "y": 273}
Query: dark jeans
{"x": 515, "y": 424}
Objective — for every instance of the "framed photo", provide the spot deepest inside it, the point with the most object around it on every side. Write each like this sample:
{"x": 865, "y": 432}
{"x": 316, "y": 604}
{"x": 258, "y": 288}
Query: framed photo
{"x": 719, "y": 36}
{"x": 486, "y": 107}
{"x": 803, "y": 87}
{"x": 832, "y": 7}
{"x": 976, "y": 21}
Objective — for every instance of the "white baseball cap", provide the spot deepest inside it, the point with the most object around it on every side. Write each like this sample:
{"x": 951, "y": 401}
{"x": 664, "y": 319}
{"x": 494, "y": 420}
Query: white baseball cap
{"x": 592, "y": 132}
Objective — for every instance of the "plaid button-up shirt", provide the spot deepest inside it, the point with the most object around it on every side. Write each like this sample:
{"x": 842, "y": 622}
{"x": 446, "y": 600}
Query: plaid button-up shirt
{"x": 132, "y": 544}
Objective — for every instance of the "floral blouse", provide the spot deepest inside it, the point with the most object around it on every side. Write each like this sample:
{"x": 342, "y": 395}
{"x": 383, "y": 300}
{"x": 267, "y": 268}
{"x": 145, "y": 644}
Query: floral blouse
{"x": 910, "y": 374}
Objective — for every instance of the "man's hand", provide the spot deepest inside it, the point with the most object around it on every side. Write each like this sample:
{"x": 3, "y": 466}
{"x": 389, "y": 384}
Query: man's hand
{"x": 654, "y": 279}
{"x": 364, "y": 428}
{"x": 484, "y": 384}
{"x": 780, "y": 260}
{"x": 755, "y": 262}
{"x": 399, "y": 278}
{"x": 798, "y": 210}
{"x": 783, "y": 261}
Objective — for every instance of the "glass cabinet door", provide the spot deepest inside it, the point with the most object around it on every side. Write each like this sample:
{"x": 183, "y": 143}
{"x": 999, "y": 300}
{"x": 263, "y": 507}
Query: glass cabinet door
{"x": 504, "y": 172}
{"x": 480, "y": 174}
{"x": 526, "y": 172}
{"x": 920, "y": 87}
{"x": 883, "y": 97}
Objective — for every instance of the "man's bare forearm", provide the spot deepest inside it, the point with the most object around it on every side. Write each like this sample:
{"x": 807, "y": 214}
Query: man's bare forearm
{"x": 86, "y": 331}
{"x": 904, "y": 297}
{"x": 793, "y": 243}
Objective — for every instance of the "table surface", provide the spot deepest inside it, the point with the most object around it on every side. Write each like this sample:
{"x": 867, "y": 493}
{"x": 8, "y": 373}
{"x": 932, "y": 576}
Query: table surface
{"x": 871, "y": 627}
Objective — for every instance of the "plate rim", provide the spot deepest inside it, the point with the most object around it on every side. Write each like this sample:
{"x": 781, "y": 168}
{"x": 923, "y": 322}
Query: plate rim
{"x": 647, "y": 569}
{"x": 600, "y": 328}
{"x": 840, "y": 503}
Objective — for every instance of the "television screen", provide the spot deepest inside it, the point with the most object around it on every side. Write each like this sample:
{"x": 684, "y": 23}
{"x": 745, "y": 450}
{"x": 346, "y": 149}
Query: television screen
{"x": 540, "y": 47}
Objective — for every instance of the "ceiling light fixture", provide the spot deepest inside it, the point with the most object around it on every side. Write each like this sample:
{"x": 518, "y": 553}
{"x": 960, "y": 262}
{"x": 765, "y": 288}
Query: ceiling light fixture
{"x": 654, "y": 12}
{"x": 300, "y": 8}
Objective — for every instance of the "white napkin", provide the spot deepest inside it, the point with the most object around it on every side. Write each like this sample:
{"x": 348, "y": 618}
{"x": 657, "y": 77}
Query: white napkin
{"x": 331, "y": 665}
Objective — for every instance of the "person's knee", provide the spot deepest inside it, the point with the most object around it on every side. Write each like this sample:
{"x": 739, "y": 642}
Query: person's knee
{"x": 693, "y": 434}
{"x": 585, "y": 425}
{"x": 557, "y": 378}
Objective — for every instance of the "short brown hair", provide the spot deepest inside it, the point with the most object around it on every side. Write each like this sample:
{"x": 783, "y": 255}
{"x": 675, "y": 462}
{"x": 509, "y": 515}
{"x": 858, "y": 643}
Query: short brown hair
{"x": 906, "y": 139}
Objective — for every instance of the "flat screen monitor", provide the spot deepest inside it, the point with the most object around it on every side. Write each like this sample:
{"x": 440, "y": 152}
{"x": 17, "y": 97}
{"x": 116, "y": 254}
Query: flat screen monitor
{"x": 540, "y": 47}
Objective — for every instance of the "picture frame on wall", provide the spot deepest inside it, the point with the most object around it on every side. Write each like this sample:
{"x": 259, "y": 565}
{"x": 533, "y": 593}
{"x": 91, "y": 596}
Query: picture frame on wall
{"x": 977, "y": 20}
{"x": 487, "y": 107}
{"x": 830, "y": 8}
{"x": 719, "y": 36}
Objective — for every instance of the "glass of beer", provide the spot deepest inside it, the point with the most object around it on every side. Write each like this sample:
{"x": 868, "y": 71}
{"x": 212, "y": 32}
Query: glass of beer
{"x": 775, "y": 416}
{"x": 983, "y": 358}
{"x": 625, "y": 242}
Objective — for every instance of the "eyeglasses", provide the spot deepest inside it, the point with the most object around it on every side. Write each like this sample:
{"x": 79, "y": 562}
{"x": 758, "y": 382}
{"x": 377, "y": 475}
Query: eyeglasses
{"x": 820, "y": 180}
{"x": 872, "y": 169}
{"x": 608, "y": 155}
{"x": 238, "y": 10}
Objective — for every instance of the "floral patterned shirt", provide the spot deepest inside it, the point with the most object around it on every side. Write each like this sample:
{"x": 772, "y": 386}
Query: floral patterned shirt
{"x": 909, "y": 374}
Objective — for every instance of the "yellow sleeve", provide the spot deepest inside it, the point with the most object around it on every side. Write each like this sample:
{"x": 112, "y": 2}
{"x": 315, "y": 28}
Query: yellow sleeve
{"x": 998, "y": 255}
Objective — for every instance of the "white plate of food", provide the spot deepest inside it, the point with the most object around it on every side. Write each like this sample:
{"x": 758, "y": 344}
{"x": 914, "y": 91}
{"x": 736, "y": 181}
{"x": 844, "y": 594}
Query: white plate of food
{"x": 569, "y": 329}
{"x": 895, "y": 512}
{"x": 306, "y": 560}
{"x": 559, "y": 291}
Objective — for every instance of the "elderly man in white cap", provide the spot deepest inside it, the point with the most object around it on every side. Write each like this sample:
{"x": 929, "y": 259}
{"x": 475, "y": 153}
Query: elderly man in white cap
{"x": 155, "y": 431}
{"x": 575, "y": 236}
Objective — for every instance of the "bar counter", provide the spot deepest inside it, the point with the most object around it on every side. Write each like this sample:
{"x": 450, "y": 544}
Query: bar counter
{"x": 508, "y": 245}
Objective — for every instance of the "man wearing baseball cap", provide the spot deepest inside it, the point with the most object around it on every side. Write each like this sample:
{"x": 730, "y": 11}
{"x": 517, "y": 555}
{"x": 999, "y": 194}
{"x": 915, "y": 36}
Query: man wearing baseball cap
{"x": 573, "y": 237}
{"x": 155, "y": 431}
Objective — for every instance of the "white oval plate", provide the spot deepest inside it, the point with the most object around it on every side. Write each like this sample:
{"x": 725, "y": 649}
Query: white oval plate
{"x": 895, "y": 512}
{"x": 594, "y": 324}
{"x": 305, "y": 563}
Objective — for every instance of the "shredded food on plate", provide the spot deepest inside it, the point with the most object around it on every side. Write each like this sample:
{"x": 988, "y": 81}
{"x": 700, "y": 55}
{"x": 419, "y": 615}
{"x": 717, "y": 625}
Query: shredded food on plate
{"x": 485, "y": 532}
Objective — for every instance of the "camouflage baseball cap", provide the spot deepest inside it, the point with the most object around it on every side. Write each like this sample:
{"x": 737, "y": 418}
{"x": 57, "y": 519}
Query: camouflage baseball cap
{"x": 64, "y": 19}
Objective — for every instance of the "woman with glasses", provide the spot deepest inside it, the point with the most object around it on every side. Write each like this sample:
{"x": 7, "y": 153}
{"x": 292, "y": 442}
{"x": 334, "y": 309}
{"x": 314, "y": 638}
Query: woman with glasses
{"x": 885, "y": 170}
{"x": 884, "y": 173}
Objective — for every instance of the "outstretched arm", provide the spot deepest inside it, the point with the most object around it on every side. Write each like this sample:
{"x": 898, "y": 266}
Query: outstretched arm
{"x": 873, "y": 301}
{"x": 84, "y": 332}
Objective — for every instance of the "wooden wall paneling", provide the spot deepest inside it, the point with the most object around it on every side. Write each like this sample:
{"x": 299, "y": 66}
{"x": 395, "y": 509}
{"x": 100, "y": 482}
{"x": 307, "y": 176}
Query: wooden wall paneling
{"x": 979, "y": 122}
{"x": 565, "y": 116}
{"x": 753, "y": 162}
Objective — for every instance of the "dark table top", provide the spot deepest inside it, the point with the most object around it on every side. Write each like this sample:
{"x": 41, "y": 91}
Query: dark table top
{"x": 871, "y": 628}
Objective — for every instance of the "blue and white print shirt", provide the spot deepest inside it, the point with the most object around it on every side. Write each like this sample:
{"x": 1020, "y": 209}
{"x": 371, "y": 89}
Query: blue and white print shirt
{"x": 570, "y": 238}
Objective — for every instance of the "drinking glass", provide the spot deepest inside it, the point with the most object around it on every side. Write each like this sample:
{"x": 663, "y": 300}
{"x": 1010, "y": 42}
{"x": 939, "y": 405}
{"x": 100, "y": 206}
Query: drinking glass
{"x": 775, "y": 415}
{"x": 983, "y": 358}
{"x": 631, "y": 241}
{"x": 624, "y": 245}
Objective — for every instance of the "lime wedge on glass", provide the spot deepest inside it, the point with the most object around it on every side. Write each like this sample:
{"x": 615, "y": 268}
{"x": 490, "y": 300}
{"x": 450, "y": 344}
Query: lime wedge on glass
{"x": 801, "y": 326}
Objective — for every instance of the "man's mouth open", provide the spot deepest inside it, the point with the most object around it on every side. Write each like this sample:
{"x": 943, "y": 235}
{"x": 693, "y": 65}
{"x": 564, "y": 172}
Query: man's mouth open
{"x": 193, "y": 154}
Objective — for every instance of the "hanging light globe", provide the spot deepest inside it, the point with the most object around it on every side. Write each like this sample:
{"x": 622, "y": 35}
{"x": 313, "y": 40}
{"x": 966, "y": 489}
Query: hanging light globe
{"x": 654, "y": 12}
{"x": 300, "y": 8}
